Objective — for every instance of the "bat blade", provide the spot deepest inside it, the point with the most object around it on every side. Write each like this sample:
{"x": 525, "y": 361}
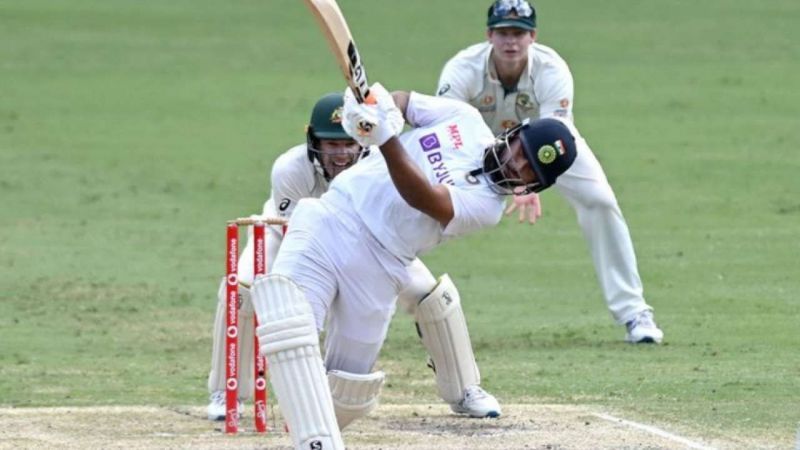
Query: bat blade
{"x": 334, "y": 26}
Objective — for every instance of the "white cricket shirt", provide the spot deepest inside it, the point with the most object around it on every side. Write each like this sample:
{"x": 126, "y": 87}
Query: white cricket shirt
{"x": 294, "y": 177}
{"x": 544, "y": 90}
{"x": 448, "y": 142}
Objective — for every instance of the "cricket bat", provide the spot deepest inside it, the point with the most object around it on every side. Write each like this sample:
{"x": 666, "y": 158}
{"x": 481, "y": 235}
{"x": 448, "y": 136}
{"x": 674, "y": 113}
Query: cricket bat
{"x": 337, "y": 33}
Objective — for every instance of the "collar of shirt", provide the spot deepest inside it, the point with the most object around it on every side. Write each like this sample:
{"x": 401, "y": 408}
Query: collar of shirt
{"x": 524, "y": 82}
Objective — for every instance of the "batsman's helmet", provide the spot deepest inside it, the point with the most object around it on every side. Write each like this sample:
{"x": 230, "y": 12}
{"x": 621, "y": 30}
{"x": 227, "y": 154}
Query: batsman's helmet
{"x": 326, "y": 123}
{"x": 549, "y": 147}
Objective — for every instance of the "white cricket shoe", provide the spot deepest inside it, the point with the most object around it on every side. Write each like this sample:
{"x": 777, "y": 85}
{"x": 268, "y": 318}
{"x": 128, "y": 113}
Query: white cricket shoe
{"x": 216, "y": 406}
{"x": 477, "y": 403}
{"x": 643, "y": 329}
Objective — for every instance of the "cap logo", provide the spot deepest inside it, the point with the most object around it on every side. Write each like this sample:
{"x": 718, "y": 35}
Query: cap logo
{"x": 336, "y": 115}
{"x": 547, "y": 154}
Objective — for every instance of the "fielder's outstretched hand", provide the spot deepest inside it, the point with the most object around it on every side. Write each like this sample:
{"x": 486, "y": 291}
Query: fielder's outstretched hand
{"x": 372, "y": 124}
{"x": 527, "y": 204}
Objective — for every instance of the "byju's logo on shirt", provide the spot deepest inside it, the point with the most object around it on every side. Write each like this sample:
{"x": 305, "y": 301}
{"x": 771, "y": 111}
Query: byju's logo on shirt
{"x": 429, "y": 142}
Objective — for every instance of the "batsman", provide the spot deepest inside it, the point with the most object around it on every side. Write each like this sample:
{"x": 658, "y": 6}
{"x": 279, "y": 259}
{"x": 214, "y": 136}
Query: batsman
{"x": 305, "y": 171}
{"x": 345, "y": 257}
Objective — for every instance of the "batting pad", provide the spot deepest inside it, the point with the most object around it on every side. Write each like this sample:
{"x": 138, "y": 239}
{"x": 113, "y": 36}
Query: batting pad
{"x": 287, "y": 336}
{"x": 443, "y": 329}
{"x": 354, "y": 395}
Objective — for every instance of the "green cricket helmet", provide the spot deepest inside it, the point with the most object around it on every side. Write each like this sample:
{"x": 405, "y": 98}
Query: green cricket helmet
{"x": 326, "y": 124}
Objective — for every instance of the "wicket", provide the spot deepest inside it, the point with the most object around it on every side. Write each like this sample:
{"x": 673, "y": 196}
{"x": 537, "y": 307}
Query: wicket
{"x": 232, "y": 322}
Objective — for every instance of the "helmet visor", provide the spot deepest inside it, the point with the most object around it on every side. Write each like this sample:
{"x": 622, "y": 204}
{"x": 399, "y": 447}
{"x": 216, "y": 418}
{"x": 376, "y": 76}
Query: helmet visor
{"x": 504, "y": 179}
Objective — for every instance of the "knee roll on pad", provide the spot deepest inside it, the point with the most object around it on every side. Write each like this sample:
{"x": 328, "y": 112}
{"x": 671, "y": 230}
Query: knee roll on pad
{"x": 443, "y": 330}
{"x": 354, "y": 395}
{"x": 288, "y": 337}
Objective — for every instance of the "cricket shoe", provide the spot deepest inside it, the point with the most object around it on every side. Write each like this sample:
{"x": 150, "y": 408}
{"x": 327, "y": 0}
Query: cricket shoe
{"x": 643, "y": 329}
{"x": 477, "y": 403}
{"x": 216, "y": 406}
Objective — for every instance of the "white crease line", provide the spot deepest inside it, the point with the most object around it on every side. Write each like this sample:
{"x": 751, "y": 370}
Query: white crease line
{"x": 654, "y": 430}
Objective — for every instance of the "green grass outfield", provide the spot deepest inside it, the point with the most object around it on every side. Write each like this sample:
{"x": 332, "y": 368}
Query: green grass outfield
{"x": 131, "y": 130}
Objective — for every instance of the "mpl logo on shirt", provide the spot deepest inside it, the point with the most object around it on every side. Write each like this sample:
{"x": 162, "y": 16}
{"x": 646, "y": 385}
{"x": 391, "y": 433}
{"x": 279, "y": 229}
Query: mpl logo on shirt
{"x": 455, "y": 136}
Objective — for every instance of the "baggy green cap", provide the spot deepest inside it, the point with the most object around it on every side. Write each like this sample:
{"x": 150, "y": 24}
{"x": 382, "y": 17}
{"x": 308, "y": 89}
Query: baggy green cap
{"x": 511, "y": 14}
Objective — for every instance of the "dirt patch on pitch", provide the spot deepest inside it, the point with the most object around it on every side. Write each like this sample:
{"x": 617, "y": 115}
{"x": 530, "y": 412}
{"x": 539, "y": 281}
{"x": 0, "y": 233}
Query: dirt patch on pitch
{"x": 390, "y": 427}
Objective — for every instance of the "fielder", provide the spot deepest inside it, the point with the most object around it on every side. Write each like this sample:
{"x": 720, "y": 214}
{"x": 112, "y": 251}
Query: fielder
{"x": 305, "y": 171}
{"x": 344, "y": 258}
{"x": 511, "y": 78}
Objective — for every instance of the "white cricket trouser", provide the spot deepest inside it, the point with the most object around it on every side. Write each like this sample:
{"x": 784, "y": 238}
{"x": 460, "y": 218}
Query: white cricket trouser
{"x": 349, "y": 279}
{"x": 586, "y": 188}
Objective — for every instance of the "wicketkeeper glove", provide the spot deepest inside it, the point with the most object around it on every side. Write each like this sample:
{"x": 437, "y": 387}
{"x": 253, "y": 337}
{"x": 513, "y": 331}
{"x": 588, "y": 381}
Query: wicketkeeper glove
{"x": 372, "y": 124}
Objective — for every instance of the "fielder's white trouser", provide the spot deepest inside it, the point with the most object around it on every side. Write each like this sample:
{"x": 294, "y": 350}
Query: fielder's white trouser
{"x": 586, "y": 188}
{"x": 216, "y": 376}
{"x": 349, "y": 279}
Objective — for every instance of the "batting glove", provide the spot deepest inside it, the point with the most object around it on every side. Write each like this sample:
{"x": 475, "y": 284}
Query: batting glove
{"x": 372, "y": 124}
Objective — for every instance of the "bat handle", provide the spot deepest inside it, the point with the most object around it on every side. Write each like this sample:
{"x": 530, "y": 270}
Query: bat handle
{"x": 363, "y": 95}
